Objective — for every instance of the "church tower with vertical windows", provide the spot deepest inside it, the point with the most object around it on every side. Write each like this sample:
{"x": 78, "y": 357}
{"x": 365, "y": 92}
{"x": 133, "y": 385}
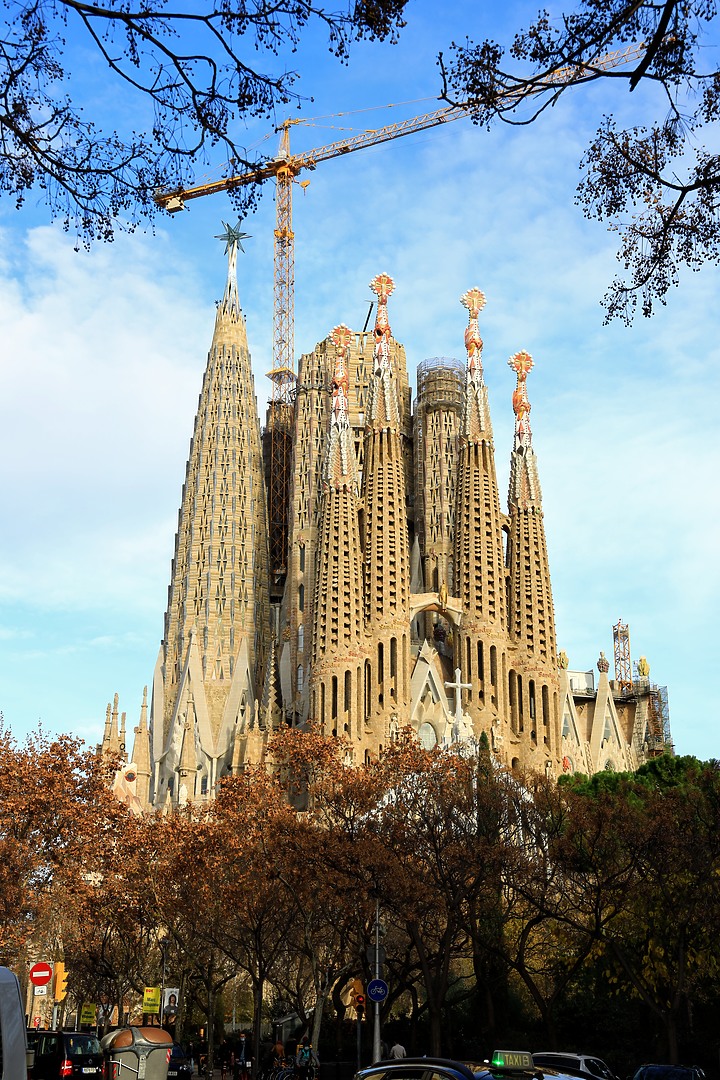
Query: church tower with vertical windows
{"x": 211, "y": 666}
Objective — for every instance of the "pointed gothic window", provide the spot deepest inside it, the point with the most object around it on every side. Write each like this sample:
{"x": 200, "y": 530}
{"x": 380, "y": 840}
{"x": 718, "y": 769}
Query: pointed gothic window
{"x": 566, "y": 727}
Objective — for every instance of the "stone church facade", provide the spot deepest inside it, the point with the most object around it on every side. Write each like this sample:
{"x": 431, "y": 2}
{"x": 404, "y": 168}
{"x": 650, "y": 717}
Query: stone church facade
{"x": 411, "y": 597}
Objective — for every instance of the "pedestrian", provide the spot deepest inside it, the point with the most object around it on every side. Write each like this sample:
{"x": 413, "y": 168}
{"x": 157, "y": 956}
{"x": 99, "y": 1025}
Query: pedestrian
{"x": 243, "y": 1060}
{"x": 306, "y": 1060}
{"x": 397, "y": 1050}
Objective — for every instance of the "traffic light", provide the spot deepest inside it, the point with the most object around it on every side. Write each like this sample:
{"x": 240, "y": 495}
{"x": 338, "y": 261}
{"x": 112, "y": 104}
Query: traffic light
{"x": 60, "y": 983}
{"x": 359, "y": 1002}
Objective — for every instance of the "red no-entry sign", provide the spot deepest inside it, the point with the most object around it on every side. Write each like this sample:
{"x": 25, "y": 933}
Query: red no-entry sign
{"x": 40, "y": 974}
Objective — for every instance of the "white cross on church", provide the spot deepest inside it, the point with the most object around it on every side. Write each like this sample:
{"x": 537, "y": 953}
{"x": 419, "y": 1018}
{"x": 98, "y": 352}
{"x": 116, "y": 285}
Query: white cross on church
{"x": 458, "y": 687}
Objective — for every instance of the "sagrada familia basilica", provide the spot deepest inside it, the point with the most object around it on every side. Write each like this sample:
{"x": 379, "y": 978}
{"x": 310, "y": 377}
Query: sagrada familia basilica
{"x": 409, "y": 597}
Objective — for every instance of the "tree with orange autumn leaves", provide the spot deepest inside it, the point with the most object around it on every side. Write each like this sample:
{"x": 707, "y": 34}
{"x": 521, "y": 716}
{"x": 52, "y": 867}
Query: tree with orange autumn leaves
{"x": 490, "y": 886}
{"x": 55, "y": 809}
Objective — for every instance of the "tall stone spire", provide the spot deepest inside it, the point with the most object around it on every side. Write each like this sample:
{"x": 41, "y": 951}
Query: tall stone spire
{"x": 141, "y": 755}
{"x": 309, "y": 452}
{"x": 217, "y": 616}
{"x": 479, "y": 558}
{"x": 386, "y": 547}
{"x": 532, "y": 619}
{"x": 186, "y": 769}
{"x": 533, "y": 679}
{"x": 270, "y": 714}
{"x": 112, "y": 744}
{"x": 338, "y": 653}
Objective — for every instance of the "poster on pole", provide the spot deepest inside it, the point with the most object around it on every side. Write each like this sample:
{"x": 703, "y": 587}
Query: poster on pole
{"x": 171, "y": 997}
{"x": 88, "y": 1013}
{"x": 151, "y": 999}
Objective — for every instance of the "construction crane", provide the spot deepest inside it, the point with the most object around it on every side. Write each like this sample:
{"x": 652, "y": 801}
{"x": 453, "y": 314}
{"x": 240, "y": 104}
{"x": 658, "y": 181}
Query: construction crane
{"x": 285, "y": 168}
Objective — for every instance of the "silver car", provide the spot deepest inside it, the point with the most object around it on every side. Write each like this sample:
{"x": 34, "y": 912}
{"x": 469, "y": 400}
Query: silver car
{"x": 575, "y": 1063}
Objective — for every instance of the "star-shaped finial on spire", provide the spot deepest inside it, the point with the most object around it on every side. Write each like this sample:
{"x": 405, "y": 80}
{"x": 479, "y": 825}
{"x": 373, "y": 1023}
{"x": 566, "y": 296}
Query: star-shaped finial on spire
{"x": 233, "y": 235}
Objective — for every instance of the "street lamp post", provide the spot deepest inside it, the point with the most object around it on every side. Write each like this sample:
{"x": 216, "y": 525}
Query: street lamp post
{"x": 376, "y": 1029}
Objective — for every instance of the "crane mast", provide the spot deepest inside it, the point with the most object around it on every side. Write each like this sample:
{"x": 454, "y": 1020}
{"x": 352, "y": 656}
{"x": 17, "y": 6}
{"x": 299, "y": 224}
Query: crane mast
{"x": 284, "y": 168}
{"x": 281, "y": 412}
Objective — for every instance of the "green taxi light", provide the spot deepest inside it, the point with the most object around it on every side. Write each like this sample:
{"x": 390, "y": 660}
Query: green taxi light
{"x": 512, "y": 1059}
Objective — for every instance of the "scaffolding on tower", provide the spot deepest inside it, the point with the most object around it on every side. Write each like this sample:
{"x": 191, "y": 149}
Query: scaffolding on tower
{"x": 655, "y": 733}
{"x": 623, "y": 668}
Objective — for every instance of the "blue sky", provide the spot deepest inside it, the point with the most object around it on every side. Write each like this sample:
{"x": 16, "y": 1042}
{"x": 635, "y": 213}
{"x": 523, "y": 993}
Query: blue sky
{"x": 103, "y": 355}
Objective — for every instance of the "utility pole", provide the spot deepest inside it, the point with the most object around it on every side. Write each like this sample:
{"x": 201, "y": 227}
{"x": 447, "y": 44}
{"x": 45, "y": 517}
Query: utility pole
{"x": 376, "y": 1030}
{"x": 163, "y": 943}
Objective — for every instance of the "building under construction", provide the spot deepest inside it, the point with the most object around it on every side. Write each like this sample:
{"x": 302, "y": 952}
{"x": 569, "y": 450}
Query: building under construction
{"x": 361, "y": 575}
{"x": 630, "y": 707}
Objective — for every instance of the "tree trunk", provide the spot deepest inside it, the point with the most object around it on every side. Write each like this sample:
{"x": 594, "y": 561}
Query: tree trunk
{"x": 258, "y": 991}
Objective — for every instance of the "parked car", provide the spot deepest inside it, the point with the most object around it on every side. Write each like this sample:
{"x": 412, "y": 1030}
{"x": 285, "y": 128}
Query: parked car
{"x": 669, "y": 1072}
{"x": 179, "y": 1066}
{"x": 584, "y": 1064}
{"x": 67, "y": 1055}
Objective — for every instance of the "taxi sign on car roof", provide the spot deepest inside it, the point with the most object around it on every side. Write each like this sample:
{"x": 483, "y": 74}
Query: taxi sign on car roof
{"x": 512, "y": 1059}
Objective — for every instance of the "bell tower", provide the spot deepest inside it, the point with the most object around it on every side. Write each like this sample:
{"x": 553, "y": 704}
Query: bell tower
{"x": 386, "y": 542}
{"x": 479, "y": 557}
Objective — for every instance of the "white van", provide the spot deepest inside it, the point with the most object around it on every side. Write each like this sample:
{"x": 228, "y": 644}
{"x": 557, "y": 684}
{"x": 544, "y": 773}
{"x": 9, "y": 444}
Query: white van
{"x": 14, "y": 1061}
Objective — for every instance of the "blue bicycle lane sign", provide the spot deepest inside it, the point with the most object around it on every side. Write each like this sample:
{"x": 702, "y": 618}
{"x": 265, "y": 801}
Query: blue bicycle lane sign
{"x": 377, "y": 990}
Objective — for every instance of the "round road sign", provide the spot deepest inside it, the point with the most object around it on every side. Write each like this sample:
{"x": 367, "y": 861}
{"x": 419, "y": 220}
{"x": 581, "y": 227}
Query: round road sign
{"x": 377, "y": 990}
{"x": 40, "y": 974}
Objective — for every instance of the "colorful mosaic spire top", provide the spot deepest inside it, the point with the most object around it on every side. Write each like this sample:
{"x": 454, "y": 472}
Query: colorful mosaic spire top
{"x": 474, "y": 301}
{"x": 522, "y": 365}
{"x": 382, "y": 286}
{"x": 341, "y": 337}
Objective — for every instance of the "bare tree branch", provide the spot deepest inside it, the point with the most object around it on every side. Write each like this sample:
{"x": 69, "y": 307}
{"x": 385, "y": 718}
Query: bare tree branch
{"x": 199, "y": 71}
{"x": 657, "y": 189}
